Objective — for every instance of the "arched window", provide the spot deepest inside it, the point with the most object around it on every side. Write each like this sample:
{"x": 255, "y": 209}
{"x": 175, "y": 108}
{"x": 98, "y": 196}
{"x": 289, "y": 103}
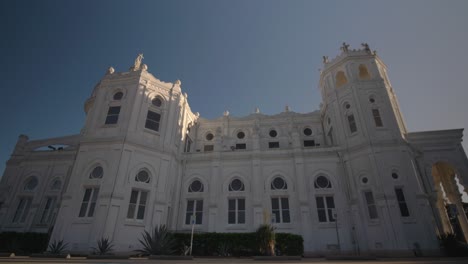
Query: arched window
{"x": 56, "y": 185}
{"x": 142, "y": 176}
{"x": 118, "y": 96}
{"x": 280, "y": 203}
{"x": 31, "y": 184}
{"x": 279, "y": 184}
{"x": 341, "y": 79}
{"x": 97, "y": 173}
{"x": 153, "y": 117}
{"x": 363, "y": 72}
{"x": 236, "y": 205}
{"x": 377, "y": 118}
{"x": 322, "y": 182}
{"x": 196, "y": 186}
{"x": 194, "y": 210}
{"x": 236, "y": 185}
{"x": 352, "y": 123}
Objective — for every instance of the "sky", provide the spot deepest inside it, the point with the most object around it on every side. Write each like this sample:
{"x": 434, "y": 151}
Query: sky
{"x": 229, "y": 55}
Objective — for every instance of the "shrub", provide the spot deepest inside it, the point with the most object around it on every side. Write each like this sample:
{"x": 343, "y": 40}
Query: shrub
{"x": 57, "y": 247}
{"x": 23, "y": 243}
{"x": 104, "y": 246}
{"x": 451, "y": 246}
{"x": 161, "y": 242}
{"x": 289, "y": 244}
{"x": 266, "y": 239}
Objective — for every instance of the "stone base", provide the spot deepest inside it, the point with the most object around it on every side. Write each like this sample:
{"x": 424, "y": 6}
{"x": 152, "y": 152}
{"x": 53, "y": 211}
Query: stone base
{"x": 276, "y": 258}
{"x": 170, "y": 257}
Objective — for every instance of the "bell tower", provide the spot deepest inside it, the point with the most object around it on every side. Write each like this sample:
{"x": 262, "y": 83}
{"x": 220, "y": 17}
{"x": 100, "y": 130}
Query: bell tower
{"x": 359, "y": 104}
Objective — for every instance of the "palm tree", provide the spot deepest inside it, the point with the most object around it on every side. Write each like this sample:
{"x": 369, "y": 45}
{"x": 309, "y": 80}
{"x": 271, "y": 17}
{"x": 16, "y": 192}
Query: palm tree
{"x": 266, "y": 239}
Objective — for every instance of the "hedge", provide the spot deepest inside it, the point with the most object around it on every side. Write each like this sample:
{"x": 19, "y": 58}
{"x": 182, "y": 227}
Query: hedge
{"x": 237, "y": 244}
{"x": 23, "y": 243}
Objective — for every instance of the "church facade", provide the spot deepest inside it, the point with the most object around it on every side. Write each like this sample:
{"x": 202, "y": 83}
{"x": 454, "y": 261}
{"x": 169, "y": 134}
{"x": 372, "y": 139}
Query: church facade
{"x": 346, "y": 177}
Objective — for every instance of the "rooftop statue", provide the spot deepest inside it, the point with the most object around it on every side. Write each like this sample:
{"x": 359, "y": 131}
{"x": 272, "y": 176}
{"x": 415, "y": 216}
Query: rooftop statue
{"x": 366, "y": 47}
{"x": 136, "y": 65}
{"x": 344, "y": 47}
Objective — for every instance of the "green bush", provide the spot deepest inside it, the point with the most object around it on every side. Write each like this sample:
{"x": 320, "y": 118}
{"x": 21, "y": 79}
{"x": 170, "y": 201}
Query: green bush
{"x": 23, "y": 243}
{"x": 289, "y": 244}
{"x": 236, "y": 244}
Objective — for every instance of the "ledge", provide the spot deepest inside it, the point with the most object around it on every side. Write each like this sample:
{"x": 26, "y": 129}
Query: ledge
{"x": 276, "y": 258}
{"x": 170, "y": 257}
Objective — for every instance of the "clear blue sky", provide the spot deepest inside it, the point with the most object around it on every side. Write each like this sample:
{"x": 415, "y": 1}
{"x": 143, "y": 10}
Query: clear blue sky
{"x": 229, "y": 55}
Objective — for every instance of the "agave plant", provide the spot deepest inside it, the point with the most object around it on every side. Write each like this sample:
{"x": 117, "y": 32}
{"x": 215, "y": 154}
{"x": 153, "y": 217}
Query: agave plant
{"x": 160, "y": 242}
{"x": 57, "y": 247}
{"x": 266, "y": 239}
{"x": 104, "y": 246}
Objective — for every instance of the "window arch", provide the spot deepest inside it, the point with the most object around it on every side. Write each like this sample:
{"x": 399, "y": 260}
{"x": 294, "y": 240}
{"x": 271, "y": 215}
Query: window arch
{"x": 153, "y": 116}
{"x": 31, "y": 183}
{"x": 196, "y": 186}
{"x": 236, "y": 185}
{"x": 341, "y": 79}
{"x": 56, "y": 185}
{"x": 278, "y": 183}
{"x": 97, "y": 173}
{"x": 363, "y": 72}
{"x": 143, "y": 176}
{"x": 322, "y": 182}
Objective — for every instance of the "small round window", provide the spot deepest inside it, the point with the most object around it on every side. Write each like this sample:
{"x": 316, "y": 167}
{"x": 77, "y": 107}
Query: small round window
{"x": 142, "y": 176}
{"x": 371, "y": 100}
{"x": 394, "y": 175}
{"x": 196, "y": 186}
{"x": 241, "y": 135}
{"x": 273, "y": 133}
{"x": 156, "y": 102}
{"x": 322, "y": 183}
{"x": 118, "y": 96}
{"x": 279, "y": 184}
{"x": 97, "y": 173}
{"x": 31, "y": 184}
{"x": 56, "y": 185}
{"x": 236, "y": 186}
{"x": 364, "y": 180}
{"x": 347, "y": 106}
{"x": 307, "y": 131}
{"x": 209, "y": 136}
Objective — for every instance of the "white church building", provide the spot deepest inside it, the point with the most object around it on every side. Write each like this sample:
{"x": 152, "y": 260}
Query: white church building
{"x": 347, "y": 176}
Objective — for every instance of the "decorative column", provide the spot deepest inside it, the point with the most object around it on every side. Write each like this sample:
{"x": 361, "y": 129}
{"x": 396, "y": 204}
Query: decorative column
{"x": 454, "y": 196}
{"x": 440, "y": 204}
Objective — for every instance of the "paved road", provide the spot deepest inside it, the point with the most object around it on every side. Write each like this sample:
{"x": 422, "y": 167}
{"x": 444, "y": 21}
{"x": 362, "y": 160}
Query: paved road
{"x": 21, "y": 260}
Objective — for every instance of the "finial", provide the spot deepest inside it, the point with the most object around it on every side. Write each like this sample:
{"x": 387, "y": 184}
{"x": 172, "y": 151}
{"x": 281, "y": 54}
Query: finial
{"x": 366, "y": 47}
{"x": 144, "y": 67}
{"x": 344, "y": 47}
{"x": 137, "y": 64}
{"x": 286, "y": 108}
{"x": 111, "y": 70}
{"x": 226, "y": 113}
{"x": 197, "y": 114}
{"x": 178, "y": 83}
{"x": 325, "y": 59}
{"x": 257, "y": 110}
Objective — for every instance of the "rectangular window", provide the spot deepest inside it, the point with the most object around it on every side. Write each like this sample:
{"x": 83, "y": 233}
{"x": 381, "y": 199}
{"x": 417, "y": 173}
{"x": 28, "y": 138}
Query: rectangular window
{"x": 352, "y": 123}
{"x": 137, "y": 205}
{"x": 208, "y": 148}
{"x": 152, "y": 120}
{"x": 325, "y": 208}
{"x": 22, "y": 210}
{"x": 371, "y": 207}
{"x": 236, "y": 211}
{"x": 89, "y": 202}
{"x": 309, "y": 143}
{"x": 273, "y": 144}
{"x": 188, "y": 144}
{"x": 194, "y": 208}
{"x": 377, "y": 118}
{"x": 280, "y": 210}
{"x": 112, "y": 115}
{"x": 48, "y": 211}
{"x": 402, "y": 202}
{"x": 241, "y": 146}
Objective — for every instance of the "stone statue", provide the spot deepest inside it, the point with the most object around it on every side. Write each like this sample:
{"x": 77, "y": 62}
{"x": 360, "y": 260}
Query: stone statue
{"x": 345, "y": 47}
{"x": 325, "y": 59}
{"x": 286, "y": 108}
{"x": 178, "y": 83}
{"x": 110, "y": 70}
{"x": 257, "y": 110}
{"x": 138, "y": 60}
{"x": 144, "y": 67}
{"x": 366, "y": 47}
{"x": 226, "y": 113}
